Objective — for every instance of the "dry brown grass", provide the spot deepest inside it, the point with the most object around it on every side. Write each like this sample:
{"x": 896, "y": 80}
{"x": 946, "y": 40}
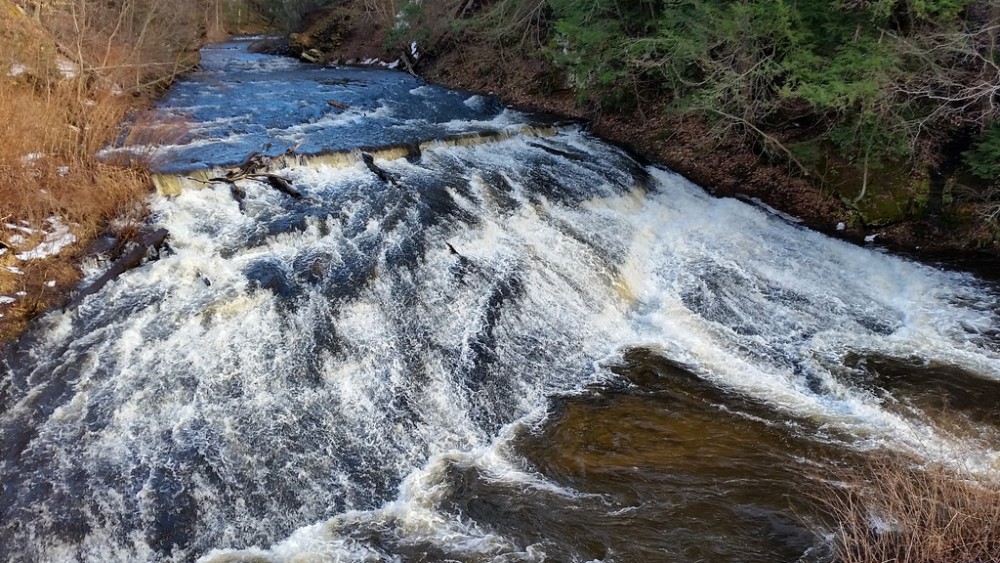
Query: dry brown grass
{"x": 895, "y": 511}
{"x": 53, "y": 123}
{"x": 48, "y": 170}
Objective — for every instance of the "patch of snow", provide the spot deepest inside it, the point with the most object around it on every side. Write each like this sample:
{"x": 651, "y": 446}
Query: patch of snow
{"x": 413, "y": 50}
{"x": 841, "y": 226}
{"x": 15, "y": 270}
{"x": 55, "y": 240}
{"x": 67, "y": 67}
{"x": 871, "y": 238}
{"x": 21, "y": 293}
{"x": 17, "y": 69}
{"x": 62, "y": 170}
{"x": 881, "y": 525}
{"x": 23, "y": 228}
{"x": 50, "y": 283}
{"x": 32, "y": 157}
{"x": 4, "y": 300}
{"x": 17, "y": 240}
{"x": 393, "y": 64}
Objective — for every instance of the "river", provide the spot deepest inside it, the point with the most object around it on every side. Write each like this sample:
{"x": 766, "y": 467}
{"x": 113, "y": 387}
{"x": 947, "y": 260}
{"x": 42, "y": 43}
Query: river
{"x": 514, "y": 342}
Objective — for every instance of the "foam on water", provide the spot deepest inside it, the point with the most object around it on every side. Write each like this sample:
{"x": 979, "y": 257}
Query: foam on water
{"x": 783, "y": 304}
{"x": 353, "y": 345}
{"x": 309, "y": 374}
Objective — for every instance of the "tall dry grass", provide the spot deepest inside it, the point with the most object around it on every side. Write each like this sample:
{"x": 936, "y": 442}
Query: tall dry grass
{"x": 49, "y": 172}
{"x": 896, "y": 510}
{"x": 69, "y": 79}
{"x": 48, "y": 149}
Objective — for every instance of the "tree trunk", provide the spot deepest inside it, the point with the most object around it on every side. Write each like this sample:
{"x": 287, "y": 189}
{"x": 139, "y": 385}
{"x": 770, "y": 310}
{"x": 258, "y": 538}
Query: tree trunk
{"x": 935, "y": 193}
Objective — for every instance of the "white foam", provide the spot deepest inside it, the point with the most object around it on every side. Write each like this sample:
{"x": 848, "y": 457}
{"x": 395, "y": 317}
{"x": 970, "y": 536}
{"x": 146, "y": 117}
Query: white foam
{"x": 451, "y": 308}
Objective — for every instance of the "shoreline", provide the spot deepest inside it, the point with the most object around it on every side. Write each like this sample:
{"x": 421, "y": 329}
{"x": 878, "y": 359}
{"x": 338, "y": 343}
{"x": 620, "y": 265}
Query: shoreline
{"x": 725, "y": 164}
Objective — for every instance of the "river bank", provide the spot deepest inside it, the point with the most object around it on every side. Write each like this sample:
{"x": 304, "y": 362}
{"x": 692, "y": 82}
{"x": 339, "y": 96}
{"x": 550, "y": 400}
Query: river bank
{"x": 726, "y": 161}
{"x": 74, "y": 79}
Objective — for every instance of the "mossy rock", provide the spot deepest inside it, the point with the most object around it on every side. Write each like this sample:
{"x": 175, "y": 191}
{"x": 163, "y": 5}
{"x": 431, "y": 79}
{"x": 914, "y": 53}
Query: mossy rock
{"x": 324, "y": 34}
{"x": 892, "y": 202}
{"x": 884, "y": 196}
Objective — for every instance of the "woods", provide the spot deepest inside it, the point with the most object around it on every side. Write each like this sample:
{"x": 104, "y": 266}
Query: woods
{"x": 883, "y": 81}
{"x": 889, "y": 104}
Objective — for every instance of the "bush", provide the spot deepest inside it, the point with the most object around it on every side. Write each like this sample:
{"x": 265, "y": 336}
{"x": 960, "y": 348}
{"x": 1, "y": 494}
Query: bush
{"x": 983, "y": 159}
{"x": 894, "y": 510}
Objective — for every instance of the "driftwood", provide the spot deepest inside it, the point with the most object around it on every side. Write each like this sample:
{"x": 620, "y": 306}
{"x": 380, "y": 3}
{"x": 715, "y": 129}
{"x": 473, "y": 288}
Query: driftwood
{"x": 386, "y": 177}
{"x": 282, "y": 185}
{"x": 239, "y": 194}
{"x": 131, "y": 259}
{"x": 336, "y": 104}
{"x": 557, "y": 152}
{"x": 407, "y": 63}
{"x": 251, "y": 168}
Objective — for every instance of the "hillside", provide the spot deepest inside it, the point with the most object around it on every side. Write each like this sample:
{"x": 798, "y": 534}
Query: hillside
{"x": 884, "y": 156}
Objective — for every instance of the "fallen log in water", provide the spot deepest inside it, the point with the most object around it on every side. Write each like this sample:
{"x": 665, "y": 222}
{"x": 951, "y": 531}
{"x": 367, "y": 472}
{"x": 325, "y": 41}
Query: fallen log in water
{"x": 281, "y": 184}
{"x": 131, "y": 259}
{"x": 382, "y": 174}
{"x": 253, "y": 168}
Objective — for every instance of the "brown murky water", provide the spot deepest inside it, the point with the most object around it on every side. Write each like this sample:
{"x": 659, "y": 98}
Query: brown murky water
{"x": 673, "y": 469}
{"x": 668, "y": 468}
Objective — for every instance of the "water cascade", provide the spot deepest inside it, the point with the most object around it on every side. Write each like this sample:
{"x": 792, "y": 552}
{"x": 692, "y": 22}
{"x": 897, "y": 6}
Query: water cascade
{"x": 518, "y": 345}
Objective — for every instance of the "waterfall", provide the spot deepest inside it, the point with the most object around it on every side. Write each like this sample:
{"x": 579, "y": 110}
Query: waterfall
{"x": 307, "y": 377}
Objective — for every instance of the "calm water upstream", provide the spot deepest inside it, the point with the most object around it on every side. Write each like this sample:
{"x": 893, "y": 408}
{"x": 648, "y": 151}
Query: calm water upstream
{"x": 523, "y": 347}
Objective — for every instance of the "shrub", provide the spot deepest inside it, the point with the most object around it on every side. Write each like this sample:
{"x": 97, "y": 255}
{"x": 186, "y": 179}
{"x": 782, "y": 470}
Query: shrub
{"x": 895, "y": 510}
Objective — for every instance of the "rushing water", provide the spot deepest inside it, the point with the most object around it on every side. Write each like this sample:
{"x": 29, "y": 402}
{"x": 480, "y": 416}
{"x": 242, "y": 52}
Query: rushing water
{"x": 532, "y": 348}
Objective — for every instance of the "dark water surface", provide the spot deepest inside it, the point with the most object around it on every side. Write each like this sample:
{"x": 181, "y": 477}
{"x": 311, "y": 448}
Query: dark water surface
{"x": 508, "y": 342}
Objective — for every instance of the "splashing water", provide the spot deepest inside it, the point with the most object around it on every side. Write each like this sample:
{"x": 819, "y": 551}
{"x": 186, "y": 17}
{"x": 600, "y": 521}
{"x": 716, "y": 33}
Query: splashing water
{"x": 366, "y": 373}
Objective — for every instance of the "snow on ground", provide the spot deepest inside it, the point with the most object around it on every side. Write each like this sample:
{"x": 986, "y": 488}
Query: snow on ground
{"x": 57, "y": 237}
{"x": 26, "y": 244}
{"x": 67, "y": 68}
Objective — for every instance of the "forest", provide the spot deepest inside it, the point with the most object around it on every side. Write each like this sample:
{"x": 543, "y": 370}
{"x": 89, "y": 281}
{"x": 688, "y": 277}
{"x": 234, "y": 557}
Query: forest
{"x": 872, "y": 90}
{"x": 885, "y": 110}
{"x": 905, "y": 82}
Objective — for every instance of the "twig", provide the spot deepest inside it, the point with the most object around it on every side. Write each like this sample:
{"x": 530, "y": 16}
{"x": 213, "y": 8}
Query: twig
{"x": 775, "y": 143}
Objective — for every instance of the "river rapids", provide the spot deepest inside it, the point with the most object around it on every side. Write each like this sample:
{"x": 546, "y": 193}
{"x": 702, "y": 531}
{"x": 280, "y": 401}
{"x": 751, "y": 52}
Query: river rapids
{"x": 517, "y": 343}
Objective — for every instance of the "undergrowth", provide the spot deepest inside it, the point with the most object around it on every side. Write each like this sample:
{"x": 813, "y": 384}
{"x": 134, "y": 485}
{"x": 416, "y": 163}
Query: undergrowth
{"x": 895, "y": 509}
{"x": 67, "y": 84}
